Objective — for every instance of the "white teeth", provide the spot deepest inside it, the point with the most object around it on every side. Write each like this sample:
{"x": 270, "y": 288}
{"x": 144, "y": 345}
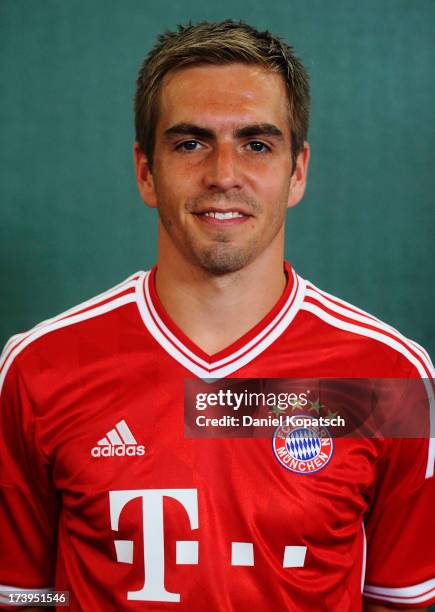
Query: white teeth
{"x": 223, "y": 215}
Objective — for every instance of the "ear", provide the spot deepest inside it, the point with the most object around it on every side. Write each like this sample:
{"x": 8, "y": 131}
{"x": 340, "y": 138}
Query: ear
{"x": 144, "y": 177}
{"x": 298, "y": 180}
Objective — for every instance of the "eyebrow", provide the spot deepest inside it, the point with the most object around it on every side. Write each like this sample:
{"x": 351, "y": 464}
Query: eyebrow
{"x": 248, "y": 131}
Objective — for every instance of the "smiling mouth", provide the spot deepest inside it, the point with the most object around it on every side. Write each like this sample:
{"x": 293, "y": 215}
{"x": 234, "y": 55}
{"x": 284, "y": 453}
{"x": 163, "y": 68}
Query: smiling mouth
{"x": 222, "y": 219}
{"x": 231, "y": 214}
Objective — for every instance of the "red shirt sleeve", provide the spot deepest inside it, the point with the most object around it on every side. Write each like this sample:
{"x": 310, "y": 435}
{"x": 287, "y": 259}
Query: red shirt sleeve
{"x": 400, "y": 528}
{"x": 28, "y": 500}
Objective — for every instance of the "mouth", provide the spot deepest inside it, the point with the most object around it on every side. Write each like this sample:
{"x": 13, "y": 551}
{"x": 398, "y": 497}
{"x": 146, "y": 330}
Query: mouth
{"x": 231, "y": 214}
{"x": 222, "y": 218}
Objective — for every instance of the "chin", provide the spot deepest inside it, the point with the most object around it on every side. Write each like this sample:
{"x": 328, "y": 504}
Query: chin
{"x": 223, "y": 262}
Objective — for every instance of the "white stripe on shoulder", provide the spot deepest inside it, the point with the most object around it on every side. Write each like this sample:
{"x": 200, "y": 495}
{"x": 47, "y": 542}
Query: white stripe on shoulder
{"x": 423, "y": 366}
{"x": 335, "y": 302}
{"x": 95, "y": 308}
{"x": 363, "y": 331}
{"x": 416, "y": 593}
{"x": 370, "y": 318}
{"x": 125, "y": 284}
{"x": 347, "y": 310}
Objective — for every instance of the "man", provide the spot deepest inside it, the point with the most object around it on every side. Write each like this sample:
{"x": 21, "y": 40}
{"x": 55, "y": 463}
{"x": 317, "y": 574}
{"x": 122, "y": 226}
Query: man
{"x": 102, "y": 495}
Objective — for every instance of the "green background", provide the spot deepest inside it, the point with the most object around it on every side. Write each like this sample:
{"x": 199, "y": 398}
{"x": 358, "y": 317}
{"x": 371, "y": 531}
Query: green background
{"x": 72, "y": 223}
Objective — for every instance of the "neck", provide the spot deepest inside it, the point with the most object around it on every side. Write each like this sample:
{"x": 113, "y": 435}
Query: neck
{"x": 214, "y": 311}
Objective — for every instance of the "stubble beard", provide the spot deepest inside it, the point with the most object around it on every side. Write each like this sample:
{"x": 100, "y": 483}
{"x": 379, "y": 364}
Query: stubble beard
{"x": 220, "y": 256}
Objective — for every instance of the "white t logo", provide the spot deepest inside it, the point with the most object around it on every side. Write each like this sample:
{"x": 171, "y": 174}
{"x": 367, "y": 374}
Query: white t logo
{"x": 153, "y": 537}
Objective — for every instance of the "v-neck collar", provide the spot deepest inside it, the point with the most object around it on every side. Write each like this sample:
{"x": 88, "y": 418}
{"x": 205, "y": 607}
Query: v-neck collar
{"x": 240, "y": 352}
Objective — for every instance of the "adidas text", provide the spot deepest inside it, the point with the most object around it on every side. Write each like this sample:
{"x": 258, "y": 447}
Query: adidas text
{"x": 120, "y": 450}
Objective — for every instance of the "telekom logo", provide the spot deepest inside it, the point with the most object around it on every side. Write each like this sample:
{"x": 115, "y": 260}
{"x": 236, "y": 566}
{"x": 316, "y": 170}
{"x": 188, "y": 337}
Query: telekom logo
{"x": 242, "y": 553}
{"x": 153, "y": 536}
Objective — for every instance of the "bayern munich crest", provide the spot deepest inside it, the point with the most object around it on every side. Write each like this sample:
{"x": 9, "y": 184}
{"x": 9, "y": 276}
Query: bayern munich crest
{"x": 302, "y": 449}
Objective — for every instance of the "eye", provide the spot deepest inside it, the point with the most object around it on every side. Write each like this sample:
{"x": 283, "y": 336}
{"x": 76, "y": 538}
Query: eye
{"x": 257, "y": 146}
{"x": 188, "y": 145}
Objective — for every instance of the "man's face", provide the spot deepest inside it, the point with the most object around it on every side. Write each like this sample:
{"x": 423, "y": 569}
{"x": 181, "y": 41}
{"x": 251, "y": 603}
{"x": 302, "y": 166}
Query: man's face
{"x": 222, "y": 171}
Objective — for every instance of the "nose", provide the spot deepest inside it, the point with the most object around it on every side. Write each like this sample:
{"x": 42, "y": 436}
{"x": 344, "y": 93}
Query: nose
{"x": 222, "y": 172}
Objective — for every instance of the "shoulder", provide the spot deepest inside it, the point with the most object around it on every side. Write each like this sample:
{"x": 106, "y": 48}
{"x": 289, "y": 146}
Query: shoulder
{"x": 343, "y": 320}
{"x": 61, "y": 330}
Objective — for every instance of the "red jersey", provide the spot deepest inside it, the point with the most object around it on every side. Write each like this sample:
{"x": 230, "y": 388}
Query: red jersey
{"x": 103, "y": 496}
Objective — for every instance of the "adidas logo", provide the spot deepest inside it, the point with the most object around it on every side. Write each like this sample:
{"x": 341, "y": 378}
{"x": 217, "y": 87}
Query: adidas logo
{"x": 118, "y": 442}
